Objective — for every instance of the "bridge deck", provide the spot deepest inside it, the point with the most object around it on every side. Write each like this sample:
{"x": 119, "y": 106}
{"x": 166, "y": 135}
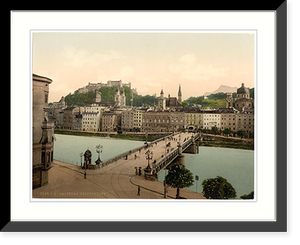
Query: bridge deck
{"x": 159, "y": 149}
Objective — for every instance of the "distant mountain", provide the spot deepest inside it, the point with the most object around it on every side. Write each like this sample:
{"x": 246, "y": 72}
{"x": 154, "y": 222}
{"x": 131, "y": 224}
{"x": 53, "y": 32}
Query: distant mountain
{"x": 223, "y": 89}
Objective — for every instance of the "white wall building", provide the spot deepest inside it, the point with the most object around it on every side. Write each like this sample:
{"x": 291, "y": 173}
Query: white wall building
{"x": 211, "y": 119}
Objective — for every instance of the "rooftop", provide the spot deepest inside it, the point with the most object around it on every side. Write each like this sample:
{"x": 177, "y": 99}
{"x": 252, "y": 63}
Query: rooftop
{"x": 39, "y": 78}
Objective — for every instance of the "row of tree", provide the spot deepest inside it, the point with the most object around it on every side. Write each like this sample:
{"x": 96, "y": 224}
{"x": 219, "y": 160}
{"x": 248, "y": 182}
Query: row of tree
{"x": 213, "y": 188}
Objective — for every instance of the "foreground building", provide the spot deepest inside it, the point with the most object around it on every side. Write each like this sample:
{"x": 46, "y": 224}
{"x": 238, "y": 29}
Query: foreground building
{"x": 42, "y": 131}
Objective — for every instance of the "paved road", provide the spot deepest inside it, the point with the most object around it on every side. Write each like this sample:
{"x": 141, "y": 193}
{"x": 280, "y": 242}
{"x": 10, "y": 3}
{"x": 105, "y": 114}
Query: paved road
{"x": 117, "y": 180}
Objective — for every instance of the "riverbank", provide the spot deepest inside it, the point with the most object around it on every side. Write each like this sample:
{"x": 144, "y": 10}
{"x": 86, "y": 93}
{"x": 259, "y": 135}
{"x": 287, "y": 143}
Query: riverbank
{"x": 127, "y": 136}
{"x": 208, "y": 140}
{"x": 243, "y": 145}
{"x": 227, "y": 142}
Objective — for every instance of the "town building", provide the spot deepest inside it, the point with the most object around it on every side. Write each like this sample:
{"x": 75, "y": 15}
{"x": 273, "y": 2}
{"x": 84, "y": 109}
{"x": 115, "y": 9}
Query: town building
{"x": 239, "y": 115}
{"x": 56, "y": 112}
{"x": 245, "y": 122}
{"x": 68, "y": 116}
{"x": 42, "y": 131}
{"x": 131, "y": 120}
{"x": 211, "y": 118}
{"x": 236, "y": 120}
{"x": 194, "y": 118}
{"x": 229, "y": 119}
{"x": 90, "y": 121}
{"x": 77, "y": 122}
{"x": 163, "y": 121}
{"x": 109, "y": 122}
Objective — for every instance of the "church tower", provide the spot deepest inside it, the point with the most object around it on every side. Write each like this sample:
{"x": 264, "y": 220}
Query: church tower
{"x": 229, "y": 100}
{"x": 179, "y": 95}
{"x": 96, "y": 98}
{"x": 117, "y": 97}
{"x": 162, "y": 101}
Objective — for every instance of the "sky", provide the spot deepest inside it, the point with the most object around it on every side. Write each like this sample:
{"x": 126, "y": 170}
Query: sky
{"x": 200, "y": 62}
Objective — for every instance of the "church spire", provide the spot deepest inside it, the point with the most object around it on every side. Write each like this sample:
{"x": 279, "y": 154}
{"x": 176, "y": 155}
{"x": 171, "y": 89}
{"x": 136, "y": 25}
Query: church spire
{"x": 179, "y": 94}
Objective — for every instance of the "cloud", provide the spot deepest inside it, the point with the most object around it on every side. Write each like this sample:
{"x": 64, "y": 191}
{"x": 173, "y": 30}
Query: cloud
{"x": 80, "y": 58}
{"x": 187, "y": 67}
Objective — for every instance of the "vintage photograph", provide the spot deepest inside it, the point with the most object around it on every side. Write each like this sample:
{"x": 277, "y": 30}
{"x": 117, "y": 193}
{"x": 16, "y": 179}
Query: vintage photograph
{"x": 143, "y": 115}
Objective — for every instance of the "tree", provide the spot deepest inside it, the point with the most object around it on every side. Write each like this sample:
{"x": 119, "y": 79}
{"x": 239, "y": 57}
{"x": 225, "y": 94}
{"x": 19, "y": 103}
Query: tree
{"x": 241, "y": 133}
{"x": 218, "y": 188}
{"x": 227, "y": 131}
{"x": 179, "y": 177}
{"x": 214, "y": 130}
{"x": 249, "y": 196}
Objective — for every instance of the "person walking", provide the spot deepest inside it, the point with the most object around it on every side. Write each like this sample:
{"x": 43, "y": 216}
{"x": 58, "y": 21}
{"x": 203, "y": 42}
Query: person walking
{"x": 139, "y": 191}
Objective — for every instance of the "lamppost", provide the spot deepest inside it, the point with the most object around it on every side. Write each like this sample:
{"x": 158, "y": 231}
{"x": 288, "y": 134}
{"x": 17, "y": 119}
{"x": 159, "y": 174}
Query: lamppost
{"x": 99, "y": 149}
{"x": 81, "y": 155}
{"x": 149, "y": 156}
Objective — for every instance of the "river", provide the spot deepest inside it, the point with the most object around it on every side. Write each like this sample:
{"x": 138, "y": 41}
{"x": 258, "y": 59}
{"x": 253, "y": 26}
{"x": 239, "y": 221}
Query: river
{"x": 235, "y": 165}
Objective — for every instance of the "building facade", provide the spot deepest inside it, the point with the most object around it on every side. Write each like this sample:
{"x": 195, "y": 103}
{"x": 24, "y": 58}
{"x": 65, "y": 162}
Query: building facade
{"x": 43, "y": 131}
{"x": 245, "y": 122}
{"x": 211, "y": 118}
{"x": 229, "y": 119}
{"x": 77, "y": 122}
{"x": 109, "y": 122}
{"x": 194, "y": 118}
{"x": 131, "y": 120}
{"x": 163, "y": 121}
{"x": 91, "y": 121}
{"x": 239, "y": 115}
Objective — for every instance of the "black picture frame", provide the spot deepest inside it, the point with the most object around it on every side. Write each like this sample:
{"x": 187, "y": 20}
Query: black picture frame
{"x": 281, "y": 223}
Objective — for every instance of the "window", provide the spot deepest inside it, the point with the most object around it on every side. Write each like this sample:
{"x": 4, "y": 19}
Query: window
{"x": 46, "y": 97}
{"x": 43, "y": 157}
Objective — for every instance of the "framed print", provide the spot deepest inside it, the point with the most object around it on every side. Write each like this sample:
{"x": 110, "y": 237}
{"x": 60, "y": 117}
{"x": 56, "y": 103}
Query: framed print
{"x": 148, "y": 122}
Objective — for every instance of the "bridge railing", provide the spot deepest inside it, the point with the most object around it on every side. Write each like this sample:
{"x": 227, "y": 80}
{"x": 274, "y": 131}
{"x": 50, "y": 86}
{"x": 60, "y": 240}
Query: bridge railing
{"x": 162, "y": 163}
{"x": 166, "y": 160}
{"x": 123, "y": 155}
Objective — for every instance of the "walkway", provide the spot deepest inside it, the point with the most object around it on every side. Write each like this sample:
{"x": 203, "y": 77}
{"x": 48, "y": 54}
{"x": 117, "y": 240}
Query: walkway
{"x": 117, "y": 180}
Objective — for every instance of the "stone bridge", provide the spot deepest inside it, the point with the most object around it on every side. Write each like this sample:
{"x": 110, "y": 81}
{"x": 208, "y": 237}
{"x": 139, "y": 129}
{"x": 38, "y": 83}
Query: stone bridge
{"x": 188, "y": 146}
{"x": 154, "y": 156}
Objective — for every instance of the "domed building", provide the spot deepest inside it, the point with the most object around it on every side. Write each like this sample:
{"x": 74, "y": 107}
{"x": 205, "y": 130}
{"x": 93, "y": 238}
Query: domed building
{"x": 242, "y": 101}
{"x": 239, "y": 115}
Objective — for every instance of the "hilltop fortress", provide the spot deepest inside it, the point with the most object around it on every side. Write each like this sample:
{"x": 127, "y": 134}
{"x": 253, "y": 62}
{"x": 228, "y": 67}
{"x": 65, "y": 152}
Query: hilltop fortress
{"x": 95, "y": 86}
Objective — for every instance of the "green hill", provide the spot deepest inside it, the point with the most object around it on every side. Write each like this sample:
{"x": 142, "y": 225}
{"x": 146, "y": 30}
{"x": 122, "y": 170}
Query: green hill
{"x": 108, "y": 94}
{"x": 213, "y": 101}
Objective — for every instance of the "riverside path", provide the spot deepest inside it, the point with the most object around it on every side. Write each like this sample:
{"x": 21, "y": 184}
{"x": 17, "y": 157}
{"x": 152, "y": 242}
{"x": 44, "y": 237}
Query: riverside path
{"x": 118, "y": 179}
